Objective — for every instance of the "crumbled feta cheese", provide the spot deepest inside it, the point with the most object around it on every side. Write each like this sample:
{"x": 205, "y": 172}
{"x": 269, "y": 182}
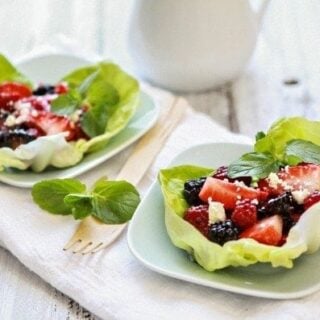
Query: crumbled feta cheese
{"x": 274, "y": 180}
{"x": 75, "y": 116}
{"x": 216, "y": 212}
{"x": 10, "y": 121}
{"x": 239, "y": 183}
{"x": 34, "y": 113}
{"x": 300, "y": 195}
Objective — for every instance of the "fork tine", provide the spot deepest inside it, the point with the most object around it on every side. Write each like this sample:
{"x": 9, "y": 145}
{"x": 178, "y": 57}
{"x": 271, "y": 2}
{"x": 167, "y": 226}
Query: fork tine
{"x": 74, "y": 240}
{"x": 98, "y": 248}
{"x": 82, "y": 247}
{"x": 91, "y": 248}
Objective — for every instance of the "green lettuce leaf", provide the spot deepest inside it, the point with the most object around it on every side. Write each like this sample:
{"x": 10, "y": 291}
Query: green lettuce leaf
{"x": 304, "y": 237}
{"x": 285, "y": 130}
{"x": 9, "y": 73}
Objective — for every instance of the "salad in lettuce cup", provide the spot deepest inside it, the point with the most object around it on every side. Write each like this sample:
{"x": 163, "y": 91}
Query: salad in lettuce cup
{"x": 263, "y": 207}
{"x": 55, "y": 125}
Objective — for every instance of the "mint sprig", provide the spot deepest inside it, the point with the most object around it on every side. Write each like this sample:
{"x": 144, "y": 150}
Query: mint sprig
{"x": 98, "y": 95}
{"x": 67, "y": 103}
{"x": 259, "y": 165}
{"x": 112, "y": 202}
{"x": 256, "y": 165}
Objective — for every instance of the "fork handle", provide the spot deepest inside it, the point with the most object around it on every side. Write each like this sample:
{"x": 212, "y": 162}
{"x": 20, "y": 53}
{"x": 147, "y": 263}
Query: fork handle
{"x": 151, "y": 143}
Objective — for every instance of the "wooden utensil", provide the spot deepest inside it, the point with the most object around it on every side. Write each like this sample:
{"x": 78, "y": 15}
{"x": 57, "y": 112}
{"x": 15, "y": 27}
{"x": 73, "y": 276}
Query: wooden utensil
{"x": 92, "y": 235}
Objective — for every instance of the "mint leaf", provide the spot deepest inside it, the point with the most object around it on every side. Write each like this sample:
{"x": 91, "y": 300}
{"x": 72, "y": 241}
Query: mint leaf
{"x": 50, "y": 194}
{"x": 80, "y": 204}
{"x": 94, "y": 121}
{"x": 66, "y": 103}
{"x": 297, "y": 151}
{"x": 114, "y": 201}
{"x": 103, "y": 99}
{"x": 260, "y": 135}
{"x": 254, "y": 164}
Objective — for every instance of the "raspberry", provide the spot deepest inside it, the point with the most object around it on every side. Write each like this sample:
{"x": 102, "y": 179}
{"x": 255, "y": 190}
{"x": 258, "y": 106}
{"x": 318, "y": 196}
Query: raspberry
{"x": 311, "y": 200}
{"x": 223, "y": 231}
{"x": 198, "y": 216}
{"x": 222, "y": 173}
{"x": 244, "y": 215}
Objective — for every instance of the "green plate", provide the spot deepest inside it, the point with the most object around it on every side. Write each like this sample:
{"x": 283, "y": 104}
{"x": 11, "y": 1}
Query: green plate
{"x": 149, "y": 242}
{"x": 58, "y": 64}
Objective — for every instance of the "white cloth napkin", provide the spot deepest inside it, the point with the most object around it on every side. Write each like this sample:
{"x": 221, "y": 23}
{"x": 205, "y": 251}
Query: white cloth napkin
{"x": 113, "y": 284}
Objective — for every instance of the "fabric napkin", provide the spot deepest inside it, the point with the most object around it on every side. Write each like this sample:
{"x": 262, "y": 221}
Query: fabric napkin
{"x": 113, "y": 284}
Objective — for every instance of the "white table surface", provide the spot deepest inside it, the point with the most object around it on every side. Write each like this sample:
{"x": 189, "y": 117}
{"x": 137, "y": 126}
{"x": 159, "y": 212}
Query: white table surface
{"x": 281, "y": 79}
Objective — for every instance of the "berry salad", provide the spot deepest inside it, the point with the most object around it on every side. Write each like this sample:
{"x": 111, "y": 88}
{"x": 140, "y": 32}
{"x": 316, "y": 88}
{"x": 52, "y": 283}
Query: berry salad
{"x": 262, "y": 207}
{"x": 44, "y": 125}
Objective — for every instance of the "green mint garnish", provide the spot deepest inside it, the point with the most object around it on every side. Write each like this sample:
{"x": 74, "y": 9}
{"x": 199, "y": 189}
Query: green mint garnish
{"x": 297, "y": 151}
{"x": 254, "y": 164}
{"x": 112, "y": 202}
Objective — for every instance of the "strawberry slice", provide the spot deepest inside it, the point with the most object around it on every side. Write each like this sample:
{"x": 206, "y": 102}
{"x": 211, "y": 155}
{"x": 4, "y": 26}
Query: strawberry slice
{"x": 266, "y": 231}
{"x": 52, "y": 124}
{"x": 11, "y": 92}
{"x": 300, "y": 177}
{"x": 228, "y": 193}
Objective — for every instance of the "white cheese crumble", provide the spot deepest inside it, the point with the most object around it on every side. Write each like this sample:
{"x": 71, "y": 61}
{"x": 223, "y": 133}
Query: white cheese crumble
{"x": 274, "y": 180}
{"x": 239, "y": 183}
{"x": 216, "y": 212}
{"x": 75, "y": 116}
{"x": 300, "y": 195}
{"x": 10, "y": 121}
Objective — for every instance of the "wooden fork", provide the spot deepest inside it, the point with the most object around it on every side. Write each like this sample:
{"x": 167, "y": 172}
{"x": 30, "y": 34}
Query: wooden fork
{"x": 92, "y": 235}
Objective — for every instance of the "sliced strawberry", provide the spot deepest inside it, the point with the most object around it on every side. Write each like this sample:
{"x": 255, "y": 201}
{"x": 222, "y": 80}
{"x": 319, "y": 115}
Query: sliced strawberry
{"x": 312, "y": 199}
{"x": 300, "y": 177}
{"x": 39, "y": 103}
{"x": 51, "y": 124}
{"x": 228, "y": 193}
{"x": 61, "y": 88}
{"x": 11, "y": 92}
{"x": 267, "y": 231}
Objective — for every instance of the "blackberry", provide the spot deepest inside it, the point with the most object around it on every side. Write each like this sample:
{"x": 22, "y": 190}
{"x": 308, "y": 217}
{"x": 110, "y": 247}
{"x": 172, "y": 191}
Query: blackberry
{"x": 192, "y": 189}
{"x": 13, "y": 138}
{"x": 223, "y": 231}
{"x": 43, "y": 89}
{"x": 283, "y": 205}
{"x": 222, "y": 173}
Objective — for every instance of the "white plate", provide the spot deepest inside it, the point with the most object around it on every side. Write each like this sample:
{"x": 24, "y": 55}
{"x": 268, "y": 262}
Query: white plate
{"x": 50, "y": 68}
{"x": 149, "y": 242}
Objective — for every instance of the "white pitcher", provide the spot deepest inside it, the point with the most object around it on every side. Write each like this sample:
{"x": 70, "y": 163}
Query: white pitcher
{"x": 192, "y": 45}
